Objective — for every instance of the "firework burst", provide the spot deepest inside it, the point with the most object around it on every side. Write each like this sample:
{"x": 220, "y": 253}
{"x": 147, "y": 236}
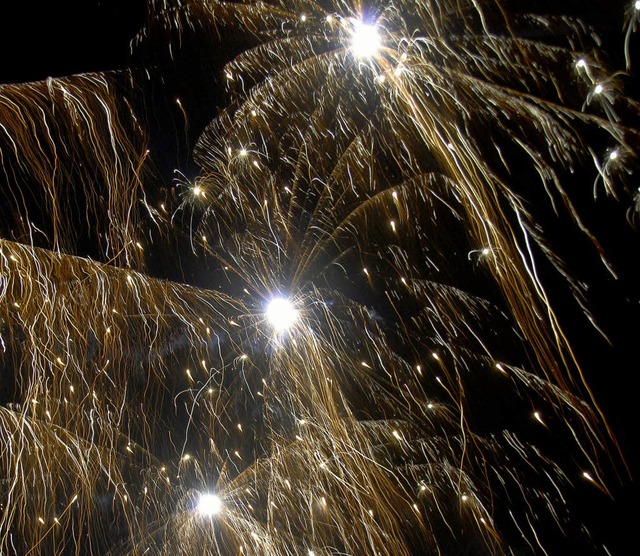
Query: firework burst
{"x": 376, "y": 367}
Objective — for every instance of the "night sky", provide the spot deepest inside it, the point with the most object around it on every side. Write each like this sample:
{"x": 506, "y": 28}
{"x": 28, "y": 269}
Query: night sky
{"x": 63, "y": 38}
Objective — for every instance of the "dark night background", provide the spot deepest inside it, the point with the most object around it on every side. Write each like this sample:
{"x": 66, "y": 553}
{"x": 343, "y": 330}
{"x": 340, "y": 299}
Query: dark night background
{"x": 66, "y": 37}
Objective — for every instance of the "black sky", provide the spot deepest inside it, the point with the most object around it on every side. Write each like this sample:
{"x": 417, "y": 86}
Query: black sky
{"x": 43, "y": 39}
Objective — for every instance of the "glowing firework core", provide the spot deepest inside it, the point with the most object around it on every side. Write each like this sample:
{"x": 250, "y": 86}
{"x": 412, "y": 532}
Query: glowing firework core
{"x": 209, "y": 505}
{"x": 365, "y": 40}
{"x": 281, "y": 314}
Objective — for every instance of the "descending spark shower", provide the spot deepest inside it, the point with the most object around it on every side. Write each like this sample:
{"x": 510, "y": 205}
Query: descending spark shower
{"x": 376, "y": 367}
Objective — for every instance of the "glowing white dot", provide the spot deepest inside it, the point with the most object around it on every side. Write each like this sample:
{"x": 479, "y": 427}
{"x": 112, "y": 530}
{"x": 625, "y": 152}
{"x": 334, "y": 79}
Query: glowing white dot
{"x": 598, "y": 89}
{"x": 581, "y": 63}
{"x": 637, "y": 5}
{"x": 365, "y": 40}
{"x": 209, "y": 505}
{"x": 281, "y": 314}
{"x": 613, "y": 154}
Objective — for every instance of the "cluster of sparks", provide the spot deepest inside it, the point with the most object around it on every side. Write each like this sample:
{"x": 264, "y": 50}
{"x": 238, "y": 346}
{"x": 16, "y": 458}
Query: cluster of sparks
{"x": 327, "y": 396}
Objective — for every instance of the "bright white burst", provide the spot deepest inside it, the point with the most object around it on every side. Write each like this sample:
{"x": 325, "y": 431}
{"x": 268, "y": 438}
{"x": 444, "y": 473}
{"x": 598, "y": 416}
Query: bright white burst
{"x": 365, "y": 40}
{"x": 209, "y": 505}
{"x": 281, "y": 313}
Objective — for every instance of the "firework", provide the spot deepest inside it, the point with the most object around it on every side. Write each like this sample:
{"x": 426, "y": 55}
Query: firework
{"x": 72, "y": 160}
{"x": 376, "y": 367}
